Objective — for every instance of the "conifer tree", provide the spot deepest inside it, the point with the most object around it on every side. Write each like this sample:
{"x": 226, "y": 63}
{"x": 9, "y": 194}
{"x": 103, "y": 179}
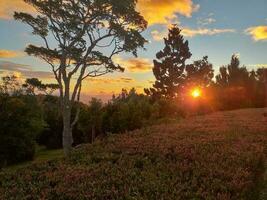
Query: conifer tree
{"x": 169, "y": 66}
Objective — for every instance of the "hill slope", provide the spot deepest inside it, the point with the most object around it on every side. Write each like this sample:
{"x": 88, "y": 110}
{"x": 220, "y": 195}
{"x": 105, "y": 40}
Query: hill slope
{"x": 218, "y": 156}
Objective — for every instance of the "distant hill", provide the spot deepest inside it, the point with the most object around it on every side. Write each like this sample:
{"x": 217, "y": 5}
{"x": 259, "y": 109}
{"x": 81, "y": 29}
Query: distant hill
{"x": 216, "y": 156}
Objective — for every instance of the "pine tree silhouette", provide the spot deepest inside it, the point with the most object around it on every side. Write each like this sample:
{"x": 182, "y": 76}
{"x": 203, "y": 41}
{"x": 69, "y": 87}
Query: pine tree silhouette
{"x": 169, "y": 67}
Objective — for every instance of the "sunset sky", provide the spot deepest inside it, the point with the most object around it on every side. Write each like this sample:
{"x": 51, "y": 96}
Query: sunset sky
{"x": 217, "y": 28}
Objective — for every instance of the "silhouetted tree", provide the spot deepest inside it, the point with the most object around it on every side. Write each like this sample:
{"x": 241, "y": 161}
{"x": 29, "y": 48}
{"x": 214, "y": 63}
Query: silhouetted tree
{"x": 200, "y": 73}
{"x": 169, "y": 67}
{"x": 234, "y": 85}
{"x": 31, "y": 84}
{"x": 85, "y": 35}
{"x": 10, "y": 85}
{"x": 233, "y": 74}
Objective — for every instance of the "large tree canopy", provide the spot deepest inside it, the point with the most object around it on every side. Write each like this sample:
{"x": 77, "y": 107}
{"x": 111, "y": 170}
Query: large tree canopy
{"x": 80, "y": 39}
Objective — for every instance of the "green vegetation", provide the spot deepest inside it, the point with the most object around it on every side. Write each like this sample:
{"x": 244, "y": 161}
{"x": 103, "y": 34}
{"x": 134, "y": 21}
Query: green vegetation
{"x": 41, "y": 155}
{"x": 215, "y": 156}
{"x": 21, "y": 122}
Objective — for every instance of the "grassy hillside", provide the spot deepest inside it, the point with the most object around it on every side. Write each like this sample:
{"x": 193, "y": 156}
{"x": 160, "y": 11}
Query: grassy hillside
{"x": 218, "y": 156}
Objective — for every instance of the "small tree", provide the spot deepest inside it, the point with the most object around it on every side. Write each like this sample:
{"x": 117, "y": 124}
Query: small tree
{"x": 200, "y": 73}
{"x": 80, "y": 39}
{"x": 31, "y": 84}
{"x": 234, "y": 85}
{"x": 170, "y": 65}
{"x": 10, "y": 85}
{"x": 233, "y": 74}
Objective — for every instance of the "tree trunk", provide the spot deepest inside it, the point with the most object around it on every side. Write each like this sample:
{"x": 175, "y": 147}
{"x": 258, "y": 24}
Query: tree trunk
{"x": 93, "y": 133}
{"x": 67, "y": 139}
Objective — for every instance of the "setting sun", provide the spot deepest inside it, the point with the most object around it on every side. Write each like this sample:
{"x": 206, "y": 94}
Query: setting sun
{"x": 196, "y": 92}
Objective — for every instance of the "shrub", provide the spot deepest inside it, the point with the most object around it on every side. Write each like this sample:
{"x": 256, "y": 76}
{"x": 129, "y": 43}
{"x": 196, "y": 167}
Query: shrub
{"x": 21, "y": 122}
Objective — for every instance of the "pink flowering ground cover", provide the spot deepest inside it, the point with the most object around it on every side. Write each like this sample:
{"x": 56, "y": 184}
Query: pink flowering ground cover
{"x": 217, "y": 156}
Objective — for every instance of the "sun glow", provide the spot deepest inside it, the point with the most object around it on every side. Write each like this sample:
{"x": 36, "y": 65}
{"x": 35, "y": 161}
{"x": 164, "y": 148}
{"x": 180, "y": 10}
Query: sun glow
{"x": 196, "y": 93}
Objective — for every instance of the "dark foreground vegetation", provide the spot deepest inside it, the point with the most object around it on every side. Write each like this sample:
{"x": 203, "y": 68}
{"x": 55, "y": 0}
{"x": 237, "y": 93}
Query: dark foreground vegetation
{"x": 216, "y": 156}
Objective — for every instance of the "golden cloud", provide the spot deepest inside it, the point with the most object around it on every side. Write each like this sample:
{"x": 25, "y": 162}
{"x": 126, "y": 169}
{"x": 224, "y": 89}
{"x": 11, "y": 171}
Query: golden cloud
{"x": 188, "y": 32}
{"x": 135, "y": 64}
{"x": 8, "y": 7}
{"x": 164, "y": 11}
{"x": 9, "y": 54}
{"x": 154, "y": 11}
{"x": 258, "y": 32}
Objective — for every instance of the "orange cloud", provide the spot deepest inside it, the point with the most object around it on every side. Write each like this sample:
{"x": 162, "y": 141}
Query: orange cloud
{"x": 154, "y": 11}
{"x": 257, "y": 32}
{"x": 8, "y": 7}
{"x": 9, "y": 54}
{"x": 135, "y": 64}
{"x": 164, "y": 11}
{"x": 188, "y": 32}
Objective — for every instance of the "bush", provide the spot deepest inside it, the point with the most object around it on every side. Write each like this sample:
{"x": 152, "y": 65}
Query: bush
{"x": 21, "y": 122}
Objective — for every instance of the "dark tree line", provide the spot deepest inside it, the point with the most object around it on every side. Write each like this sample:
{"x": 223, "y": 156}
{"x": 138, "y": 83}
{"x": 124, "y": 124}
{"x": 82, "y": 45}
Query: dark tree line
{"x": 237, "y": 87}
{"x": 234, "y": 87}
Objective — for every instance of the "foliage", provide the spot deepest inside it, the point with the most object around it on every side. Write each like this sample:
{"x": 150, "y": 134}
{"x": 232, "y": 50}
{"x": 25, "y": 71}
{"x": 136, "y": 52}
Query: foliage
{"x": 10, "y": 85}
{"x": 236, "y": 87}
{"x": 51, "y": 136}
{"x": 21, "y": 122}
{"x": 221, "y": 160}
{"x": 91, "y": 119}
{"x": 199, "y": 74}
{"x": 127, "y": 112}
{"x": 31, "y": 84}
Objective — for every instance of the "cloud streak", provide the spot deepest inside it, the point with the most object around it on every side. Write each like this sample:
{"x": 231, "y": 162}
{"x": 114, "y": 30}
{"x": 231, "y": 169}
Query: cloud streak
{"x": 258, "y": 65}
{"x": 9, "y": 54}
{"x": 188, "y": 32}
{"x": 258, "y": 33}
{"x": 205, "y": 31}
{"x": 135, "y": 65}
{"x": 25, "y": 71}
